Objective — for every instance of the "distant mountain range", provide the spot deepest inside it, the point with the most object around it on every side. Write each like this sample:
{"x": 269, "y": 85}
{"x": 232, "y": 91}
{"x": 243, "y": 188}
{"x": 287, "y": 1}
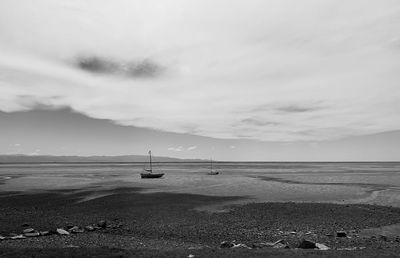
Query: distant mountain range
{"x": 76, "y": 159}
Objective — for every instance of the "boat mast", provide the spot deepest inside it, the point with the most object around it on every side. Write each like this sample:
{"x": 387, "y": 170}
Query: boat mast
{"x": 151, "y": 167}
{"x": 211, "y": 164}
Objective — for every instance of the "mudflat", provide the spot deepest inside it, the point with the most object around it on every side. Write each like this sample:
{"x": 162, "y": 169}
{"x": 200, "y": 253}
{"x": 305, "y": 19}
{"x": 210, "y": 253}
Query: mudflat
{"x": 129, "y": 223}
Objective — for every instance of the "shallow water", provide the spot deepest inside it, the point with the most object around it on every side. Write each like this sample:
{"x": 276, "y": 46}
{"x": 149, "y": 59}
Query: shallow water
{"x": 373, "y": 183}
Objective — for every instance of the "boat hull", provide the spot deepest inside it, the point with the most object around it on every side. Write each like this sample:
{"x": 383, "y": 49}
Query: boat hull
{"x": 151, "y": 175}
{"x": 213, "y": 173}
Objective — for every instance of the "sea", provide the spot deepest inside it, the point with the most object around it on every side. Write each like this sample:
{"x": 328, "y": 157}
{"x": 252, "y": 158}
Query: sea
{"x": 336, "y": 182}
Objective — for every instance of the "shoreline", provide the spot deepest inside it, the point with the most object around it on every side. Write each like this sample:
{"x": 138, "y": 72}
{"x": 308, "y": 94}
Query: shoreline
{"x": 169, "y": 222}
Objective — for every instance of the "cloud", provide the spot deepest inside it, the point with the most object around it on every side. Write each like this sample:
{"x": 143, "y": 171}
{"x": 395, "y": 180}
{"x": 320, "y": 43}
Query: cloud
{"x": 176, "y": 149}
{"x": 284, "y": 71}
{"x": 297, "y": 109}
{"x": 191, "y": 148}
{"x": 145, "y": 68}
{"x": 258, "y": 122}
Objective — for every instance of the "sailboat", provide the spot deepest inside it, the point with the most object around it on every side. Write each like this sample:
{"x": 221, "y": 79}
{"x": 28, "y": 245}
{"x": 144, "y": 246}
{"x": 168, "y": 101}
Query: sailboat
{"x": 148, "y": 172}
{"x": 212, "y": 172}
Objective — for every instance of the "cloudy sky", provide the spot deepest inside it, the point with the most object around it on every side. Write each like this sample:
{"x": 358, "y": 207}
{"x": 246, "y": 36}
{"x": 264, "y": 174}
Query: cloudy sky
{"x": 240, "y": 80}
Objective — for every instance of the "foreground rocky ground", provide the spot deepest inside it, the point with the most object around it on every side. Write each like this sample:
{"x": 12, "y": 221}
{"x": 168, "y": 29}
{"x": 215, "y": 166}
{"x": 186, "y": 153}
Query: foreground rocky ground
{"x": 128, "y": 224}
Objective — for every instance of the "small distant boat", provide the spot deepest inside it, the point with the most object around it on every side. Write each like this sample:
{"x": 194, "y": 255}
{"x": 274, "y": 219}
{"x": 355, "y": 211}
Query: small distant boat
{"x": 148, "y": 172}
{"x": 212, "y": 172}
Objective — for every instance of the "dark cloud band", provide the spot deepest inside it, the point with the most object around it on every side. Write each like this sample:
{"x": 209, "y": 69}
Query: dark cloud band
{"x": 145, "y": 68}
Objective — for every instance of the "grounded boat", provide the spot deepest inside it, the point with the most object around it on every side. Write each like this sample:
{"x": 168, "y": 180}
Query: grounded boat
{"x": 148, "y": 172}
{"x": 212, "y": 172}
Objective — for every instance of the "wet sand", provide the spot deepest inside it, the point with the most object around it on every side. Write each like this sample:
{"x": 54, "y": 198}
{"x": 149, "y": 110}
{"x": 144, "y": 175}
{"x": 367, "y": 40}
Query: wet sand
{"x": 168, "y": 224}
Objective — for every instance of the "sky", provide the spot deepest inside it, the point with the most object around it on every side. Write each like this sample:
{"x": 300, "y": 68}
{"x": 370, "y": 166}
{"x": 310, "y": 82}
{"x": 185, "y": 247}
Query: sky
{"x": 236, "y": 80}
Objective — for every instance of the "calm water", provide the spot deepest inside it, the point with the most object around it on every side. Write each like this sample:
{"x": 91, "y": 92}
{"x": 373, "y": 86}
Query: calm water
{"x": 374, "y": 183}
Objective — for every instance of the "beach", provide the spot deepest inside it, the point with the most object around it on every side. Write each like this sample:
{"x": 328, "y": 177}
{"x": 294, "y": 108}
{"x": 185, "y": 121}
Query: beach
{"x": 151, "y": 220}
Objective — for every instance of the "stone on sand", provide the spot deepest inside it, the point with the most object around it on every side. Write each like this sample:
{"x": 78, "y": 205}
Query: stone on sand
{"x": 76, "y": 229}
{"x": 226, "y": 244}
{"x": 18, "y": 237}
{"x": 321, "y": 246}
{"x": 62, "y": 231}
{"x": 89, "y": 228}
{"x": 307, "y": 244}
{"x": 32, "y": 234}
{"x": 28, "y": 230}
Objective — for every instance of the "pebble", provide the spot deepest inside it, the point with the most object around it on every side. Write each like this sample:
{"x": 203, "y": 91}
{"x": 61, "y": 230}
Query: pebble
{"x": 62, "y": 231}
{"x": 18, "y": 237}
{"x": 240, "y": 246}
{"x": 32, "y": 234}
{"x": 76, "y": 229}
{"x": 89, "y": 228}
{"x": 321, "y": 246}
{"x": 28, "y": 230}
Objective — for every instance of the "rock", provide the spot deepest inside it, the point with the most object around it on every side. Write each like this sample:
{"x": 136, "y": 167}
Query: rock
{"x": 280, "y": 246}
{"x": 28, "y": 230}
{"x": 321, "y": 246}
{"x": 102, "y": 224}
{"x": 44, "y": 233}
{"x": 32, "y": 234}
{"x": 341, "y": 234}
{"x": 190, "y": 256}
{"x": 62, "y": 231}
{"x": 2, "y": 238}
{"x": 18, "y": 237}
{"x": 226, "y": 244}
{"x": 240, "y": 246}
{"x": 72, "y": 228}
{"x": 89, "y": 228}
{"x": 277, "y": 244}
{"x": 306, "y": 244}
{"x": 76, "y": 229}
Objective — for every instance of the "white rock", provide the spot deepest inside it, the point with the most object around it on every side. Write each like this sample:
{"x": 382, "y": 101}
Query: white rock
{"x": 28, "y": 230}
{"x": 62, "y": 231}
{"x": 18, "y": 237}
{"x": 32, "y": 234}
{"x": 321, "y": 246}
